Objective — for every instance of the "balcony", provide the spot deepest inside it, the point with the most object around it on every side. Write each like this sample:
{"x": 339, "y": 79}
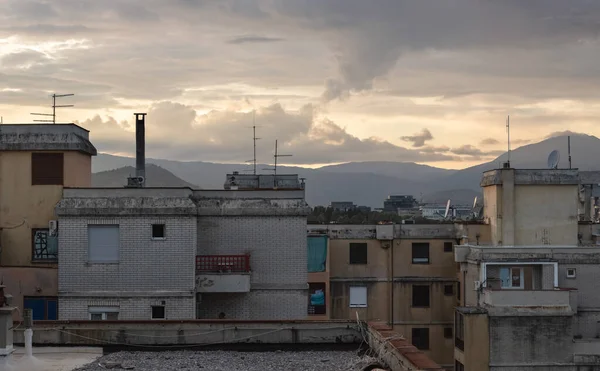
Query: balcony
{"x": 557, "y": 298}
{"x": 222, "y": 273}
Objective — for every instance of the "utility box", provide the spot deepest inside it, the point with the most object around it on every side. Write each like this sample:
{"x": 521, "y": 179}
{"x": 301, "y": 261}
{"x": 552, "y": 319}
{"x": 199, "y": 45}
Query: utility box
{"x": 385, "y": 231}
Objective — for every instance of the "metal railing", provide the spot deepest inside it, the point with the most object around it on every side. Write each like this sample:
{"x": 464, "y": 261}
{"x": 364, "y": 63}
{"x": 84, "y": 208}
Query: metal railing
{"x": 223, "y": 263}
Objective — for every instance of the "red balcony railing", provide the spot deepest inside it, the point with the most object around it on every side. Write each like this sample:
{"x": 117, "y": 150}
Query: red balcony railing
{"x": 223, "y": 263}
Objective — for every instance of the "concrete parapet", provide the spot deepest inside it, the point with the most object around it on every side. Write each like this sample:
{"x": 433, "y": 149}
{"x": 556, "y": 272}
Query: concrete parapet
{"x": 193, "y": 332}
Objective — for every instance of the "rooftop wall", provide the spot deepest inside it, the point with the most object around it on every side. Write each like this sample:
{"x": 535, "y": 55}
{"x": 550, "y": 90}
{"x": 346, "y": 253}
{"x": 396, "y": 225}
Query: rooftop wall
{"x": 45, "y": 137}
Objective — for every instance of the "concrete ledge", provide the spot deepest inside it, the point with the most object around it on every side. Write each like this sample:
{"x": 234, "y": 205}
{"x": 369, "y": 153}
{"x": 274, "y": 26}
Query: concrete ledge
{"x": 396, "y": 351}
{"x": 222, "y": 282}
{"x": 193, "y": 332}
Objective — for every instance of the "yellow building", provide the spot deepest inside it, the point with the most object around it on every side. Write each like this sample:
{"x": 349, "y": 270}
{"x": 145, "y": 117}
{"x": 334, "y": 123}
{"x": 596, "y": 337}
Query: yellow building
{"x": 36, "y": 162}
{"x": 403, "y": 275}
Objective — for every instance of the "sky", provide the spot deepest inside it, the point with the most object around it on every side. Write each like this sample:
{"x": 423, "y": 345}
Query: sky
{"x": 333, "y": 81}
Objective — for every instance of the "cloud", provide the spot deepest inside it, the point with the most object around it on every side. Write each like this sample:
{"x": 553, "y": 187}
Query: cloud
{"x": 563, "y": 133}
{"x": 253, "y": 40}
{"x": 418, "y": 140}
{"x": 489, "y": 142}
{"x": 176, "y": 131}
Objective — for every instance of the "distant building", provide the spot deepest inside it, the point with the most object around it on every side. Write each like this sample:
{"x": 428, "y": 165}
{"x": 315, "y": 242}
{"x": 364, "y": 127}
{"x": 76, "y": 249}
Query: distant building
{"x": 342, "y": 205}
{"x": 394, "y": 203}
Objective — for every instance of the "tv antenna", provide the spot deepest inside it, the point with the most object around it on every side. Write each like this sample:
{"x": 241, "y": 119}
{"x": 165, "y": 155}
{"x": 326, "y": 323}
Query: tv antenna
{"x": 54, "y": 107}
{"x": 553, "y": 159}
{"x": 254, "y": 139}
{"x": 508, "y": 135}
{"x": 276, "y": 156}
{"x": 569, "y": 149}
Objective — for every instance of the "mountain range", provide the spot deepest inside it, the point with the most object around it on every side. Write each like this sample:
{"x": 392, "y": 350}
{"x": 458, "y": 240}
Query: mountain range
{"x": 364, "y": 183}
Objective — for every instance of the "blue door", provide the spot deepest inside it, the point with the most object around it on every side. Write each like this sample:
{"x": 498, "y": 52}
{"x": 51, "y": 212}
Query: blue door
{"x": 44, "y": 308}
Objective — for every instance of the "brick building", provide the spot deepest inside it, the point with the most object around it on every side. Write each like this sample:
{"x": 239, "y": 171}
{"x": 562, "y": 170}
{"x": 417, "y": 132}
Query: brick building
{"x": 144, "y": 253}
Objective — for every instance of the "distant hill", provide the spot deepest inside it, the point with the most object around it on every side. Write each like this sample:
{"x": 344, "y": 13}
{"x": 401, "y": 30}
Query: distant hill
{"x": 156, "y": 176}
{"x": 364, "y": 183}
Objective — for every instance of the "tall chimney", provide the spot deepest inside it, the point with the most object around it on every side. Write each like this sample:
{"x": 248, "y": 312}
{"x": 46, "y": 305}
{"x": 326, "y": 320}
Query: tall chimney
{"x": 140, "y": 147}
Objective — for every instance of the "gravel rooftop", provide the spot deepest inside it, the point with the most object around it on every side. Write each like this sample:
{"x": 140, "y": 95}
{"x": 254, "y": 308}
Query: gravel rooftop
{"x": 231, "y": 360}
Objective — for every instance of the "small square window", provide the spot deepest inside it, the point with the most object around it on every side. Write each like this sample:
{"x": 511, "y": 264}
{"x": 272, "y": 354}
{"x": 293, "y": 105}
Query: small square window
{"x": 449, "y": 290}
{"x": 571, "y": 273}
{"x": 420, "y": 253}
{"x": 158, "y": 231}
{"x": 358, "y": 253}
{"x": 158, "y": 312}
{"x": 448, "y": 246}
{"x": 96, "y": 316}
{"x": 358, "y": 296}
{"x": 420, "y": 338}
{"x": 420, "y": 296}
{"x": 448, "y": 332}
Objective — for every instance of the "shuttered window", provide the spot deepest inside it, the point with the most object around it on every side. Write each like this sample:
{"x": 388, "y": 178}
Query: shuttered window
{"x": 47, "y": 168}
{"x": 103, "y": 243}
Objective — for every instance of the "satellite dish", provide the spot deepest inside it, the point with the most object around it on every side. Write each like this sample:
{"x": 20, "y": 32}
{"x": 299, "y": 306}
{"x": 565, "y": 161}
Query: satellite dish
{"x": 475, "y": 202}
{"x": 447, "y": 209}
{"x": 553, "y": 159}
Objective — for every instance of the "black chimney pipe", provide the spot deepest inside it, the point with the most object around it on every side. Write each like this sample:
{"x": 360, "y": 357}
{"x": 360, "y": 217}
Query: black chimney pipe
{"x": 140, "y": 148}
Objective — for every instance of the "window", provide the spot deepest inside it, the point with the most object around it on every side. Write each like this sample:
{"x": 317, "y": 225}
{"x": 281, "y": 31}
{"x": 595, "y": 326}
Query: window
{"x": 103, "y": 243}
{"x": 47, "y": 168}
{"x": 44, "y": 308}
{"x": 571, "y": 273}
{"x": 158, "y": 231}
{"x": 358, "y": 296}
{"x": 448, "y": 246}
{"x": 449, "y": 290}
{"x": 158, "y": 312}
{"x": 358, "y": 253}
{"x": 44, "y": 247}
{"x": 420, "y": 253}
{"x": 448, "y": 332}
{"x": 458, "y": 366}
{"x": 420, "y": 296}
{"x": 316, "y": 298}
{"x": 104, "y": 313}
{"x": 420, "y": 338}
{"x": 459, "y": 331}
{"x": 511, "y": 278}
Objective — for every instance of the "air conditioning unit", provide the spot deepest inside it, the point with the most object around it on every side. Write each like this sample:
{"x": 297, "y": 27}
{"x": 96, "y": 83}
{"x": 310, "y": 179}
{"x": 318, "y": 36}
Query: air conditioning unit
{"x": 53, "y": 227}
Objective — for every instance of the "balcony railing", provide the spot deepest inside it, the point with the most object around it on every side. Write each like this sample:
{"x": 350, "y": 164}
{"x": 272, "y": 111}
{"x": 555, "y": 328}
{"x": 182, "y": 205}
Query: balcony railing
{"x": 223, "y": 263}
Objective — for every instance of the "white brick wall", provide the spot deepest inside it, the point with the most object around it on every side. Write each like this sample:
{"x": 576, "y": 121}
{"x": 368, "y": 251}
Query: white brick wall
{"x": 145, "y": 265}
{"x": 257, "y": 304}
{"x": 138, "y": 308}
{"x": 277, "y": 248}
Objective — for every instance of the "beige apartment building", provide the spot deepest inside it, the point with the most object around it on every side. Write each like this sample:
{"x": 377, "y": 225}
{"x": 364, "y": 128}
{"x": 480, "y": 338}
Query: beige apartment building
{"x": 400, "y": 274}
{"x": 36, "y": 162}
{"x": 531, "y": 292}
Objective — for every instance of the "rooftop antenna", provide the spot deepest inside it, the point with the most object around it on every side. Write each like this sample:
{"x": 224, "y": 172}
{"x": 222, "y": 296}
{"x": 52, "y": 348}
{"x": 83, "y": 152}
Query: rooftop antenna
{"x": 569, "y": 149}
{"x": 553, "y": 159}
{"x": 508, "y": 135}
{"x": 54, "y": 107}
{"x": 276, "y": 156}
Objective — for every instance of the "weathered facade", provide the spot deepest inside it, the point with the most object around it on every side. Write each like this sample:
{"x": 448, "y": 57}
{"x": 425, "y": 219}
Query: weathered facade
{"x": 181, "y": 254}
{"x": 403, "y": 275}
{"x": 36, "y": 162}
{"x": 530, "y": 298}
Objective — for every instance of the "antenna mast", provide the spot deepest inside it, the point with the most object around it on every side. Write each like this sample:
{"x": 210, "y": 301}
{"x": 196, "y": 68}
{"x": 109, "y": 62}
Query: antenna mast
{"x": 54, "y": 107}
{"x": 276, "y": 156}
{"x": 569, "y": 149}
{"x": 508, "y": 134}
